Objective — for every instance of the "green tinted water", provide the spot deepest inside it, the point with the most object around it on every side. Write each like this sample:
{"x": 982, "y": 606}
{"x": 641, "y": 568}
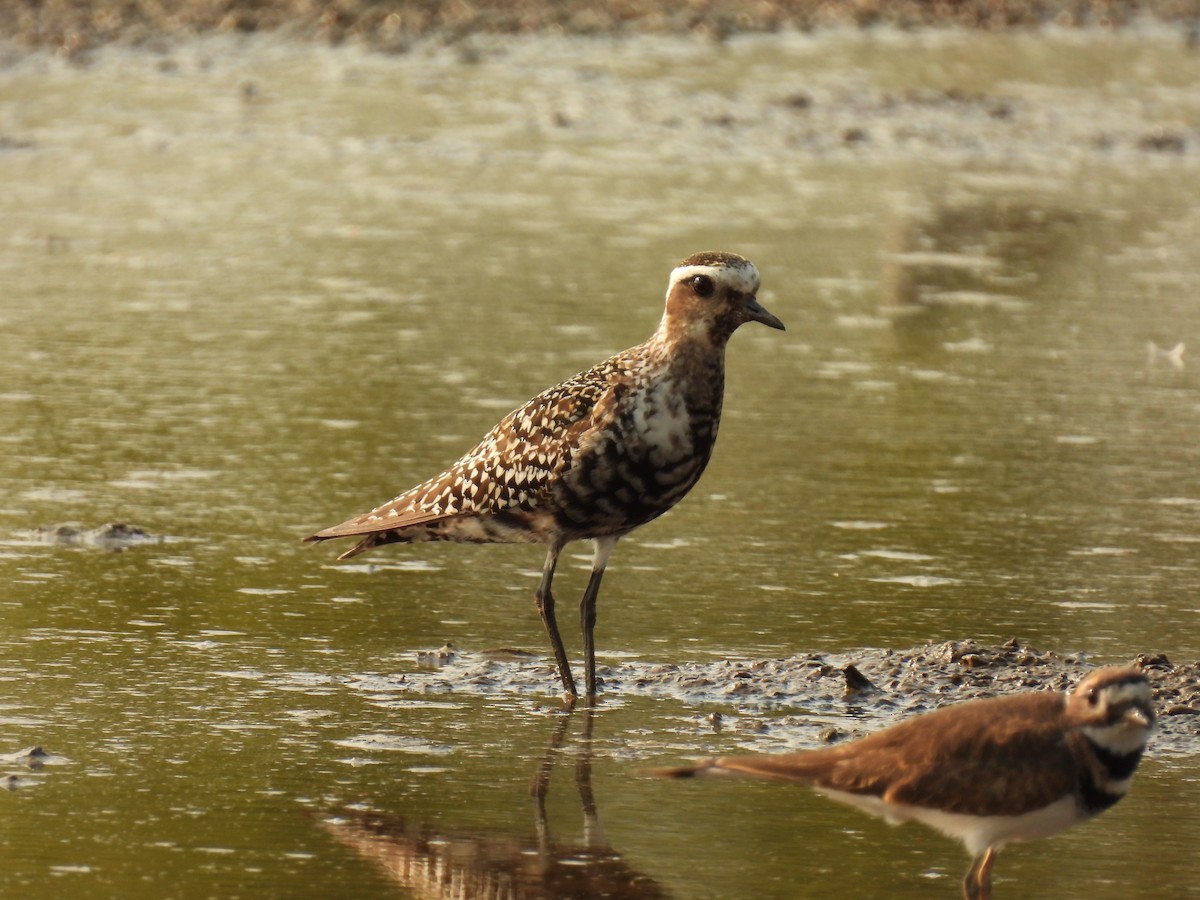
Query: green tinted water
{"x": 250, "y": 290}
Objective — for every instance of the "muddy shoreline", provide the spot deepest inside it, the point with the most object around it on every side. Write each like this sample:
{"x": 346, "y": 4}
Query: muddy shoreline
{"x": 72, "y": 28}
{"x": 811, "y": 698}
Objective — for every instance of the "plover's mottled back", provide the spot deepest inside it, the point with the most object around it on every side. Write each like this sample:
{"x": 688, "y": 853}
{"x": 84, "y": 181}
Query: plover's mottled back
{"x": 593, "y": 457}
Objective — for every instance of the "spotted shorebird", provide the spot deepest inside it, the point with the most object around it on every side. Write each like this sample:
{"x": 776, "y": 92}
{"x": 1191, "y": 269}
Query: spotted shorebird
{"x": 987, "y": 772}
{"x": 594, "y": 457}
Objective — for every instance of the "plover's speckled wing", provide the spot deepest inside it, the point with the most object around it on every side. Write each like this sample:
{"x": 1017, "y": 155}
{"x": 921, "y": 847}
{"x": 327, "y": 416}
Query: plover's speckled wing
{"x": 509, "y": 474}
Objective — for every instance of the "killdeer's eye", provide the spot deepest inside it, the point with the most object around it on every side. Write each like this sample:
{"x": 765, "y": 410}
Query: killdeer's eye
{"x": 703, "y": 286}
{"x": 1092, "y": 697}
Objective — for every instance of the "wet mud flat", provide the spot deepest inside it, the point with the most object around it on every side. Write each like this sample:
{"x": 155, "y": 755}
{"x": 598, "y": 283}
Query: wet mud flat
{"x": 73, "y": 27}
{"x": 817, "y": 698}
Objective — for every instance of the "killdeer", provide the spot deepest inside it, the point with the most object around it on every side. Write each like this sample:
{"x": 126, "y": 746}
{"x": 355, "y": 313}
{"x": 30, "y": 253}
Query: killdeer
{"x": 593, "y": 457}
{"x": 987, "y": 772}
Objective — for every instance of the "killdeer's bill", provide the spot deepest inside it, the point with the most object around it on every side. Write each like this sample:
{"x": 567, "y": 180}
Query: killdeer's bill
{"x": 987, "y": 772}
{"x": 594, "y": 457}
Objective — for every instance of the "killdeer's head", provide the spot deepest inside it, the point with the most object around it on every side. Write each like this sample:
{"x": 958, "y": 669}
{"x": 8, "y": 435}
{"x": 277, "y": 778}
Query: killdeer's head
{"x": 710, "y": 294}
{"x": 1114, "y": 708}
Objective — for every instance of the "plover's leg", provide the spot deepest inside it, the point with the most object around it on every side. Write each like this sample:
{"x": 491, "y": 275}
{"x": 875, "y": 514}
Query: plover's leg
{"x": 545, "y": 604}
{"x": 587, "y": 609}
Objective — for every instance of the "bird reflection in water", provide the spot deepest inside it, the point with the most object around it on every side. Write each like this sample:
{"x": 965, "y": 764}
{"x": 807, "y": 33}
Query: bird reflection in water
{"x": 436, "y": 862}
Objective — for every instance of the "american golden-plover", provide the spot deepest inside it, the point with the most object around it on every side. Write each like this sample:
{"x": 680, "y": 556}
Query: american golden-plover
{"x": 592, "y": 458}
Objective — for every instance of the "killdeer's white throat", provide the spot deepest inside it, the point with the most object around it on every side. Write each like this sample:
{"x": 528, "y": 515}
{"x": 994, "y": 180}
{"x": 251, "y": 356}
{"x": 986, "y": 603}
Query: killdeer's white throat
{"x": 987, "y": 772}
{"x": 593, "y": 457}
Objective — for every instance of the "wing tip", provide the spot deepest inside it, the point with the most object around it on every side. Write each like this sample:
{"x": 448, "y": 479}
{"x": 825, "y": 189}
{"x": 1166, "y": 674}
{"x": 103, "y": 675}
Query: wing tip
{"x": 327, "y": 534}
{"x": 366, "y": 543}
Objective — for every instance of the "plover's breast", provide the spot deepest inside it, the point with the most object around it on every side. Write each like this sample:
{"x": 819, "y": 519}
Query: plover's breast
{"x": 643, "y": 456}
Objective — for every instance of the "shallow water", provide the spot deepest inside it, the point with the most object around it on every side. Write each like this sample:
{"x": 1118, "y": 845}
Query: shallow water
{"x": 250, "y": 289}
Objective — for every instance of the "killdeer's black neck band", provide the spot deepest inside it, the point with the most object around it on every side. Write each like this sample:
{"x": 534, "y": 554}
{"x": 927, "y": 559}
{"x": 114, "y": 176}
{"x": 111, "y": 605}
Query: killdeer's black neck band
{"x": 1096, "y": 799}
{"x": 1119, "y": 766}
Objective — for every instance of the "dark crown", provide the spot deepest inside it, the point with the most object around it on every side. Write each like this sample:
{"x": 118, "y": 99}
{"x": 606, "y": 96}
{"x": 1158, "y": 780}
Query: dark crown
{"x": 714, "y": 258}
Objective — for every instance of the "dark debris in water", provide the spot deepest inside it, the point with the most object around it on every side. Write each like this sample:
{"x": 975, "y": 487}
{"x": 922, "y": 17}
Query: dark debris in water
{"x": 875, "y": 685}
{"x": 31, "y": 760}
{"x": 113, "y": 536}
{"x": 31, "y": 757}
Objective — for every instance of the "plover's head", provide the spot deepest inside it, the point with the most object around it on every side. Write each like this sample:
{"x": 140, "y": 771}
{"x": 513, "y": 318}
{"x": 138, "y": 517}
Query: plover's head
{"x": 711, "y": 293}
{"x": 1114, "y": 708}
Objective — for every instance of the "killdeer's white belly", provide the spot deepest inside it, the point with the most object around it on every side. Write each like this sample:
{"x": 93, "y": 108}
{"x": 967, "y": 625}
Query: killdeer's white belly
{"x": 977, "y": 832}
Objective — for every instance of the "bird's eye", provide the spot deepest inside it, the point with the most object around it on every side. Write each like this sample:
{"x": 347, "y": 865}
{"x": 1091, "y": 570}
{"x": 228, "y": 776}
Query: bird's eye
{"x": 1092, "y": 697}
{"x": 703, "y": 286}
